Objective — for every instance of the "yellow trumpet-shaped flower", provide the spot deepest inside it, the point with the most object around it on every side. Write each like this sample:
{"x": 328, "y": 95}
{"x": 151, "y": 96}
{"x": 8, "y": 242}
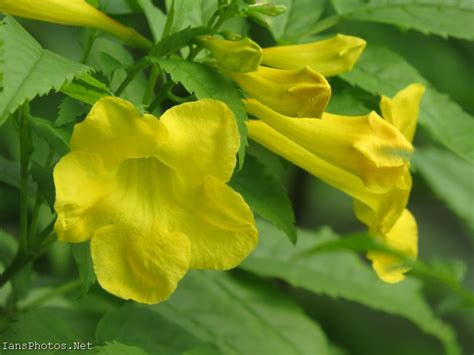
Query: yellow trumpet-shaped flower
{"x": 239, "y": 56}
{"x": 151, "y": 195}
{"x": 366, "y": 146}
{"x": 383, "y": 208}
{"x": 75, "y": 13}
{"x": 331, "y": 56}
{"x": 295, "y": 93}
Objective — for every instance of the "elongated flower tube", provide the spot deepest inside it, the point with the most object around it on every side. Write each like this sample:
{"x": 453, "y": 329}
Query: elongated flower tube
{"x": 382, "y": 210}
{"x": 151, "y": 195}
{"x": 239, "y": 56}
{"x": 75, "y": 13}
{"x": 295, "y": 93}
{"x": 331, "y": 56}
{"x": 366, "y": 146}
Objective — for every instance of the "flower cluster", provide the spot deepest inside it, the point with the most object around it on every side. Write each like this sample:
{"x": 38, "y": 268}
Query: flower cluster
{"x": 367, "y": 157}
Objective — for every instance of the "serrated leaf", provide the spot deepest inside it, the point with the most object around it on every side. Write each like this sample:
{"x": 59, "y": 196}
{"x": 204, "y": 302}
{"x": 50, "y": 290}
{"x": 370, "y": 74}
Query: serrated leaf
{"x": 259, "y": 319}
{"x": 453, "y": 18}
{"x": 69, "y": 110}
{"x": 86, "y": 89}
{"x": 265, "y": 195}
{"x": 383, "y": 72}
{"x": 29, "y": 70}
{"x": 296, "y": 20}
{"x": 82, "y": 257}
{"x": 206, "y": 82}
{"x": 450, "y": 178}
{"x": 343, "y": 274}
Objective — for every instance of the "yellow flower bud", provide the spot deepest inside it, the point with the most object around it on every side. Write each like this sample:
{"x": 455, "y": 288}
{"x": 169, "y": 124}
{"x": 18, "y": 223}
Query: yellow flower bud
{"x": 295, "y": 93}
{"x": 239, "y": 56}
{"x": 331, "y": 56}
{"x": 75, "y": 13}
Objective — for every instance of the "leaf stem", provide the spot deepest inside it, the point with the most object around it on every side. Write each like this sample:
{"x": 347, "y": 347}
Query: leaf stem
{"x": 155, "y": 73}
{"x": 24, "y": 173}
{"x": 132, "y": 72}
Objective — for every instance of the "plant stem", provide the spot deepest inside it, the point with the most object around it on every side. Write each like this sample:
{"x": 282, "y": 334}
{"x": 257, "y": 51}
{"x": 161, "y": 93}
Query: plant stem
{"x": 24, "y": 173}
{"x": 23, "y": 258}
{"x": 161, "y": 95}
{"x": 155, "y": 72}
{"x": 132, "y": 72}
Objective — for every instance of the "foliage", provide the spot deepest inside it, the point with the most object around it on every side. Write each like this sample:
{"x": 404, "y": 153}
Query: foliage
{"x": 307, "y": 288}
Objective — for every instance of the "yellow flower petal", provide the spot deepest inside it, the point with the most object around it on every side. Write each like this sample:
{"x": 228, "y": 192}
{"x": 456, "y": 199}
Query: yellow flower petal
{"x": 402, "y": 111}
{"x": 81, "y": 183}
{"x": 158, "y": 190}
{"x": 219, "y": 224}
{"x": 115, "y": 131}
{"x": 366, "y": 146}
{"x": 403, "y": 237}
{"x": 378, "y": 209}
{"x": 139, "y": 264}
{"x": 331, "y": 56}
{"x": 75, "y": 13}
{"x": 238, "y": 56}
{"x": 295, "y": 93}
{"x": 203, "y": 139}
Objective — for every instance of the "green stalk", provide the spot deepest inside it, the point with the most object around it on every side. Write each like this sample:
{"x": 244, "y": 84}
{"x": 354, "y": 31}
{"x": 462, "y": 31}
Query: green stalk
{"x": 57, "y": 291}
{"x": 24, "y": 173}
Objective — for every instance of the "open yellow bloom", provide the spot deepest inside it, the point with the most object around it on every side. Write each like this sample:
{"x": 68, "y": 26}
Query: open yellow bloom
{"x": 380, "y": 202}
{"x": 75, "y": 13}
{"x": 240, "y": 56}
{"x": 151, "y": 195}
{"x": 331, "y": 56}
{"x": 295, "y": 93}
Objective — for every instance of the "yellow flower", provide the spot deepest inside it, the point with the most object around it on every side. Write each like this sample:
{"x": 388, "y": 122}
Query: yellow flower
{"x": 151, "y": 195}
{"x": 296, "y": 93}
{"x": 239, "y": 56}
{"x": 339, "y": 153}
{"x": 331, "y": 56}
{"x": 366, "y": 146}
{"x": 75, "y": 13}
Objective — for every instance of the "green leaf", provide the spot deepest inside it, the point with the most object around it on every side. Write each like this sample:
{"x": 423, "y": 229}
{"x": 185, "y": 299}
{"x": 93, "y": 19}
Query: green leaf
{"x": 206, "y": 82}
{"x": 155, "y": 17}
{"x": 50, "y": 324}
{"x": 86, "y": 89}
{"x": 120, "y": 7}
{"x": 9, "y": 172}
{"x": 450, "y": 178}
{"x": 297, "y": 20}
{"x": 383, "y": 72}
{"x": 29, "y": 70}
{"x": 343, "y": 274}
{"x": 239, "y": 314}
{"x": 115, "y": 348}
{"x": 190, "y": 12}
{"x": 69, "y": 110}
{"x": 266, "y": 196}
{"x": 442, "y": 17}
{"x": 57, "y": 138}
{"x": 8, "y": 247}
{"x": 82, "y": 256}
{"x": 44, "y": 179}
